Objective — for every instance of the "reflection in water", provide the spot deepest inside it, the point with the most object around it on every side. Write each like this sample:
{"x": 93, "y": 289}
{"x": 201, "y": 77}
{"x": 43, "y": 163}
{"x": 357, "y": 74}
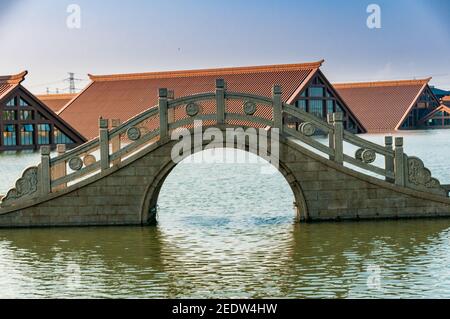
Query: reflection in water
{"x": 228, "y": 231}
{"x": 278, "y": 260}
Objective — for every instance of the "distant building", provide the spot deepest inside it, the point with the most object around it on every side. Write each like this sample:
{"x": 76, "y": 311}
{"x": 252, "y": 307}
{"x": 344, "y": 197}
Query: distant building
{"x": 446, "y": 100}
{"x": 438, "y": 118}
{"x": 439, "y": 93}
{"x": 56, "y": 101}
{"x": 26, "y": 122}
{"x": 122, "y": 96}
{"x": 388, "y": 106}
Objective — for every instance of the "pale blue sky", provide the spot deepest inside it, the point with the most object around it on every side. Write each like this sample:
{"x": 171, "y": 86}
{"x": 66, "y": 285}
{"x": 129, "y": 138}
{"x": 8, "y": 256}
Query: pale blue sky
{"x": 141, "y": 36}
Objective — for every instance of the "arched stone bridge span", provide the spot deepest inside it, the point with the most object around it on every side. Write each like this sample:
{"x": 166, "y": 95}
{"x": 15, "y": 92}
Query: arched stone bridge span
{"x": 115, "y": 179}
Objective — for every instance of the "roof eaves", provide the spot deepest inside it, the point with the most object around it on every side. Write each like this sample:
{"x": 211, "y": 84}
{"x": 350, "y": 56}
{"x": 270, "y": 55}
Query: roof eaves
{"x": 411, "y": 105}
{"x": 207, "y": 72}
{"x": 302, "y": 86}
{"x": 381, "y": 83}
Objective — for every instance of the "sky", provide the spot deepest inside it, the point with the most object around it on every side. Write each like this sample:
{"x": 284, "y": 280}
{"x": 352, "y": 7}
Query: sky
{"x": 144, "y": 36}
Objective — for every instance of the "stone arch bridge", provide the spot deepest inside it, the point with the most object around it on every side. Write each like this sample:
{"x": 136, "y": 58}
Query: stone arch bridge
{"x": 115, "y": 179}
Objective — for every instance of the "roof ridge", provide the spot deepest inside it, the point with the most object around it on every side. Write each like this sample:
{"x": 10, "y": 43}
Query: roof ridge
{"x": 56, "y": 96}
{"x": 206, "y": 72}
{"x": 381, "y": 83}
{"x": 14, "y": 79}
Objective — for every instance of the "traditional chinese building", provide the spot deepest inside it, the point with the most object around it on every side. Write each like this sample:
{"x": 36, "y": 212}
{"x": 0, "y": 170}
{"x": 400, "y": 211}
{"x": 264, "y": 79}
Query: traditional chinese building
{"x": 26, "y": 122}
{"x": 389, "y": 105}
{"x": 122, "y": 96}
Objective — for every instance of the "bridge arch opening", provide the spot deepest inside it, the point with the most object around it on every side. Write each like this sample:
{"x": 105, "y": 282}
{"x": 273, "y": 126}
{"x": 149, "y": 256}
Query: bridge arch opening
{"x": 243, "y": 188}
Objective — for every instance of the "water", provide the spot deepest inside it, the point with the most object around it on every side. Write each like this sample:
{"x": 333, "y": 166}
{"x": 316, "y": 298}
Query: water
{"x": 229, "y": 231}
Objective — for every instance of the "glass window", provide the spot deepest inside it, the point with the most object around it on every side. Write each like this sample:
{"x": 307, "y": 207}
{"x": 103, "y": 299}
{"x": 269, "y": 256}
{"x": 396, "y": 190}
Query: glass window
{"x": 9, "y": 115}
{"x": 43, "y": 134}
{"x": 61, "y": 138}
{"x": 303, "y": 93}
{"x": 316, "y": 107}
{"x": 447, "y": 122}
{"x": 351, "y": 124}
{"x": 301, "y": 104}
{"x": 339, "y": 108}
{"x": 316, "y": 91}
{"x": 26, "y": 115}
{"x": 26, "y": 134}
{"x": 330, "y": 108}
{"x": 9, "y": 135}
{"x": 22, "y": 102}
{"x": 11, "y": 102}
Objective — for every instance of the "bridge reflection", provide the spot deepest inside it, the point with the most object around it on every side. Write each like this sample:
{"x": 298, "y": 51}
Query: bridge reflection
{"x": 278, "y": 260}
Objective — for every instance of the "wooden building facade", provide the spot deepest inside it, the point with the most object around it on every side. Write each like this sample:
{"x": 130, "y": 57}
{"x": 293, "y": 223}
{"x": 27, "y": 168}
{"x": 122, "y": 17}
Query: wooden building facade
{"x": 26, "y": 122}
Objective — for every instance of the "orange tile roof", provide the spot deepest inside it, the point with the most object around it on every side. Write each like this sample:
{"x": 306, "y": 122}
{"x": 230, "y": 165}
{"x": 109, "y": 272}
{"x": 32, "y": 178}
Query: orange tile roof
{"x": 122, "y": 96}
{"x": 381, "y": 106}
{"x": 9, "y": 82}
{"x": 56, "y": 101}
{"x": 446, "y": 98}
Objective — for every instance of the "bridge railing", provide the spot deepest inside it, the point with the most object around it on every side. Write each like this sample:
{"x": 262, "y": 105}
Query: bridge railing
{"x": 119, "y": 141}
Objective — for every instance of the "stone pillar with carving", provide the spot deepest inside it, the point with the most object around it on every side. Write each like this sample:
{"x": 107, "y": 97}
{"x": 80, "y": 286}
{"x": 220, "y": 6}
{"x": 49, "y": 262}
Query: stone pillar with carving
{"x": 338, "y": 137}
{"x": 389, "y": 160}
{"x": 104, "y": 143}
{"x": 399, "y": 162}
{"x": 163, "y": 115}
{"x": 45, "y": 179}
{"x": 59, "y": 169}
{"x": 277, "y": 107}
{"x": 220, "y": 101}
{"x": 115, "y": 141}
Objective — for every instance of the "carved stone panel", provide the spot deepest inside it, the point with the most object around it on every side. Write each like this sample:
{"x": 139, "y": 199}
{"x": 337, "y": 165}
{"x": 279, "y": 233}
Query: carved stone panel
{"x": 134, "y": 133}
{"x": 419, "y": 177}
{"x": 75, "y": 163}
{"x": 192, "y": 109}
{"x": 26, "y": 186}
{"x": 89, "y": 160}
{"x": 307, "y": 129}
{"x": 249, "y": 107}
{"x": 365, "y": 155}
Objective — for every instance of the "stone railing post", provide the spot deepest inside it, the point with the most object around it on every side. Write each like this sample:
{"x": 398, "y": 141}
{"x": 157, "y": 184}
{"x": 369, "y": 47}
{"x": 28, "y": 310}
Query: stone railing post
{"x": 59, "y": 170}
{"x": 399, "y": 162}
{"x": 104, "y": 143}
{"x": 220, "y": 101}
{"x": 388, "y": 160}
{"x": 115, "y": 141}
{"x": 338, "y": 140}
{"x": 331, "y": 134}
{"x": 277, "y": 108}
{"x": 45, "y": 170}
{"x": 163, "y": 116}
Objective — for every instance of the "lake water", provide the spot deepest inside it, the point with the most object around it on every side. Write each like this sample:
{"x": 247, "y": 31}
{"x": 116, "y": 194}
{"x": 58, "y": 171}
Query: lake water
{"x": 228, "y": 231}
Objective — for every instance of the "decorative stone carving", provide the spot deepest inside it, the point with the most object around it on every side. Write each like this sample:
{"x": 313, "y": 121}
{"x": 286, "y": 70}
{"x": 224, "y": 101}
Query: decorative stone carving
{"x": 249, "y": 107}
{"x": 307, "y": 129}
{"x": 419, "y": 175}
{"x": 134, "y": 133}
{"x": 75, "y": 163}
{"x": 26, "y": 186}
{"x": 192, "y": 109}
{"x": 365, "y": 155}
{"x": 89, "y": 160}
